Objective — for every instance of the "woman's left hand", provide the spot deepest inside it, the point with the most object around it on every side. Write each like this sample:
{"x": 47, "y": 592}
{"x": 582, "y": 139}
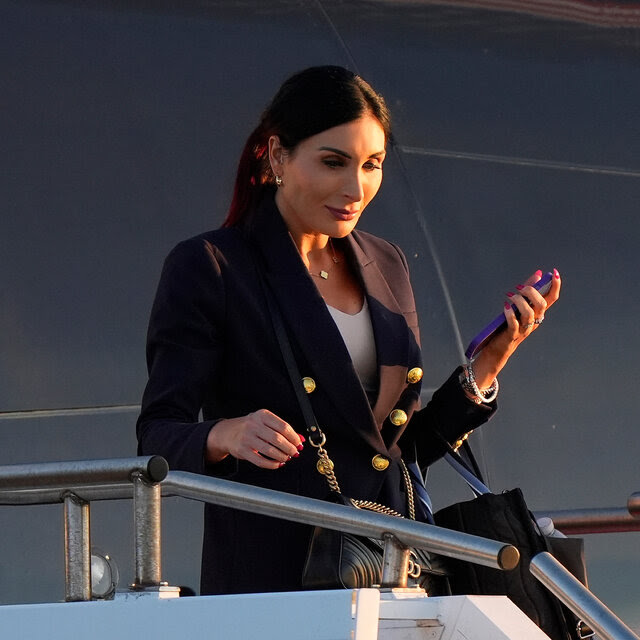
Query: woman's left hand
{"x": 531, "y": 306}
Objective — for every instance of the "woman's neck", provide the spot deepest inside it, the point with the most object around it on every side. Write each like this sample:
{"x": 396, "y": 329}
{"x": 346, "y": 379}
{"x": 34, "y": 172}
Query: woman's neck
{"x": 314, "y": 249}
{"x": 311, "y": 245}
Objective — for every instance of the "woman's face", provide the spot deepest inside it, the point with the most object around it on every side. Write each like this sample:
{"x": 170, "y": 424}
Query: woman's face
{"x": 329, "y": 178}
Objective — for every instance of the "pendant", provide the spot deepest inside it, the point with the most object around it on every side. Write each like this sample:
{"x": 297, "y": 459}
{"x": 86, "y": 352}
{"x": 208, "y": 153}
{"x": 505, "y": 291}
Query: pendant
{"x": 324, "y": 275}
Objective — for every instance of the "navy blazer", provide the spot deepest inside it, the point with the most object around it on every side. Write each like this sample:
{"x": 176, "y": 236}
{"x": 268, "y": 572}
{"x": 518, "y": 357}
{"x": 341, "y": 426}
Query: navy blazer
{"x": 212, "y": 348}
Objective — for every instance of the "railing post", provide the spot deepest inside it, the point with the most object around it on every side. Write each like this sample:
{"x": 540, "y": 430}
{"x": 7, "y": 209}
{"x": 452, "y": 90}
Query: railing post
{"x": 77, "y": 549}
{"x": 147, "y": 523}
{"x": 395, "y": 563}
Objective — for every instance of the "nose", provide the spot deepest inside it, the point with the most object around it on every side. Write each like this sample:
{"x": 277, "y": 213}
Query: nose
{"x": 354, "y": 187}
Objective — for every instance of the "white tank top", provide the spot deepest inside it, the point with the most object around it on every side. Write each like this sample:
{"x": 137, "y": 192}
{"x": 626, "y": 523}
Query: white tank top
{"x": 357, "y": 333}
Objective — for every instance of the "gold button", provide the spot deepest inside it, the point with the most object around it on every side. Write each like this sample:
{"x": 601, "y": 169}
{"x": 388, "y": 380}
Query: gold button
{"x": 459, "y": 443}
{"x": 309, "y": 384}
{"x": 398, "y": 417}
{"x": 414, "y": 375}
{"x": 379, "y": 463}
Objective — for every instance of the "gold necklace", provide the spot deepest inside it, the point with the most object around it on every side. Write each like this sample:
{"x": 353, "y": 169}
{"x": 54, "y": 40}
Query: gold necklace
{"x": 325, "y": 274}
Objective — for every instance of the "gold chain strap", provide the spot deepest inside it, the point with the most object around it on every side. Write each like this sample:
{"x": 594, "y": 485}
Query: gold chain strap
{"x": 408, "y": 485}
{"x": 375, "y": 506}
{"x": 325, "y": 466}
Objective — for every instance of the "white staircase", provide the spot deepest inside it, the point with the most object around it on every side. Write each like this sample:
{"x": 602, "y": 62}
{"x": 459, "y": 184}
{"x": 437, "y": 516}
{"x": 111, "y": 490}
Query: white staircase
{"x": 364, "y": 614}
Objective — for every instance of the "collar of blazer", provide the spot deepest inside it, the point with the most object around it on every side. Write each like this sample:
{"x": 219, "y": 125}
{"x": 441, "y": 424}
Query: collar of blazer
{"x": 312, "y": 330}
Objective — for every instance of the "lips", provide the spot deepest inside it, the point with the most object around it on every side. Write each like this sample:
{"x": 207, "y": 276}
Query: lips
{"x": 343, "y": 214}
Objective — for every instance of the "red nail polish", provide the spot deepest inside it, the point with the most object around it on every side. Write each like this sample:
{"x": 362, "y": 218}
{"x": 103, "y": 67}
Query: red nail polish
{"x": 296, "y": 455}
{"x": 510, "y": 294}
{"x": 539, "y": 273}
{"x": 507, "y": 305}
{"x": 300, "y": 447}
{"x": 556, "y": 275}
{"x": 281, "y": 465}
{"x": 302, "y": 438}
{"x": 520, "y": 287}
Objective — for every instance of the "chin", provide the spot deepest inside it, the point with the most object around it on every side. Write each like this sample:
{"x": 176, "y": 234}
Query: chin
{"x": 344, "y": 228}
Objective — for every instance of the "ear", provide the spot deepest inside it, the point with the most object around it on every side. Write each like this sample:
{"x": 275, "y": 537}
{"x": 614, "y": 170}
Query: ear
{"x": 276, "y": 155}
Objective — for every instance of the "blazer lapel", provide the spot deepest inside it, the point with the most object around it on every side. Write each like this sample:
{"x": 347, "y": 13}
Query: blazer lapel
{"x": 392, "y": 335}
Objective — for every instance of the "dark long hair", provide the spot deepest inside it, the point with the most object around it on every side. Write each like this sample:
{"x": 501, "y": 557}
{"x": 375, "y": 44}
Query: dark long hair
{"x": 309, "y": 102}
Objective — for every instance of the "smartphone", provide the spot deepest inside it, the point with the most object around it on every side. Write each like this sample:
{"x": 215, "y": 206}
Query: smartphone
{"x": 475, "y": 346}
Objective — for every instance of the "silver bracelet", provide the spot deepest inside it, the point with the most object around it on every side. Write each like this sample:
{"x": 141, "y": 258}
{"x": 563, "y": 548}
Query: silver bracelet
{"x": 480, "y": 395}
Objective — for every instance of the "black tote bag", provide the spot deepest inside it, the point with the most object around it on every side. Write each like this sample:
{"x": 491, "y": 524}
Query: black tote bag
{"x": 506, "y": 517}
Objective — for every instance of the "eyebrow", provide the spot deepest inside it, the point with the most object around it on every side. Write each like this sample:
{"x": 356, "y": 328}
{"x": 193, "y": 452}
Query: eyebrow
{"x": 344, "y": 154}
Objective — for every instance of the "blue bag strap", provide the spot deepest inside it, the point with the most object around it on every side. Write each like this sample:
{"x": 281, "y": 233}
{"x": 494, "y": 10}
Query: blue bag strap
{"x": 424, "y": 500}
{"x": 477, "y": 486}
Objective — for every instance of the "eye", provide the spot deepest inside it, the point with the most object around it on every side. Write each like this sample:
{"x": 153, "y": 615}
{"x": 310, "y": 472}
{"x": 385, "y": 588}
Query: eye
{"x": 333, "y": 163}
{"x": 372, "y": 166}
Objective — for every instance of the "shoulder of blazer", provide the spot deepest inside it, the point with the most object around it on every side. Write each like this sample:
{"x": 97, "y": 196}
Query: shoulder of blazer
{"x": 208, "y": 251}
{"x": 222, "y": 239}
{"x": 386, "y": 253}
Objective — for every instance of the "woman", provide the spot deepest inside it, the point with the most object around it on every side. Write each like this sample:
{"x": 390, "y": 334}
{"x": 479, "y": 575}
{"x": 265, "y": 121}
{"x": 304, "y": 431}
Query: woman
{"x": 307, "y": 173}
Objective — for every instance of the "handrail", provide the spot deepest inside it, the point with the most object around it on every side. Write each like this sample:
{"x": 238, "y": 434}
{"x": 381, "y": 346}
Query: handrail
{"x": 579, "y": 599}
{"x": 335, "y": 516}
{"x": 584, "y": 521}
{"x": 52, "y": 479}
{"x": 55, "y": 494}
{"x": 599, "y": 520}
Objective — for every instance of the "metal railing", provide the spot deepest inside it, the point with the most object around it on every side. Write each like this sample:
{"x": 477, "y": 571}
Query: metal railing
{"x": 147, "y": 479}
{"x": 602, "y": 520}
{"x": 406, "y": 533}
{"x": 75, "y": 484}
{"x": 569, "y": 590}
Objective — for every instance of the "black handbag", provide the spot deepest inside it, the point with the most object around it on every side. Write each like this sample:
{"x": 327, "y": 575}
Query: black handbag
{"x": 506, "y": 517}
{"x": 341, "y": 560}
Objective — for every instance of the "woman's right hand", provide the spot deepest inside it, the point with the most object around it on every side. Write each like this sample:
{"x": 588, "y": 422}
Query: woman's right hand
{"x": 261, "y": 438}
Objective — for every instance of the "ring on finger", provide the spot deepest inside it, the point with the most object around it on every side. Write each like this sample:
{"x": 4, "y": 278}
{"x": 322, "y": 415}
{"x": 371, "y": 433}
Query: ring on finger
{"x": 539, "y": 320}
{"x": 528, "y": 325}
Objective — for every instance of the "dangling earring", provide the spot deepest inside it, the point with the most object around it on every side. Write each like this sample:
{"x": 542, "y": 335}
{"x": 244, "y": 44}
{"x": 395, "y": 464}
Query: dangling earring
{"x": 278, "y": 181}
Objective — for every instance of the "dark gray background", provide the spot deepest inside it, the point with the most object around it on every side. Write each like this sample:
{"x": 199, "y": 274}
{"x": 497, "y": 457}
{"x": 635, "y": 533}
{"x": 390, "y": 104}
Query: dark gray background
{"x": 517, "y": 149}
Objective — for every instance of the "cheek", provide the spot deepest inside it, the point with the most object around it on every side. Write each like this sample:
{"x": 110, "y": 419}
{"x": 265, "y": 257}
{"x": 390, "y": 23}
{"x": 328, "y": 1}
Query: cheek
{"x": 310, "y": 184}
{"x": 321, "y": 187}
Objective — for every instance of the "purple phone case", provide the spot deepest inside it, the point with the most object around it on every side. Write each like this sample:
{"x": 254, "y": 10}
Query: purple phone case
{"x": 543, "y": 285}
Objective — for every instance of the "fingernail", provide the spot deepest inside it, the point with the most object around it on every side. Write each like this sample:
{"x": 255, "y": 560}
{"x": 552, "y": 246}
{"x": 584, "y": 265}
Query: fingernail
{"x": 520, "y": 287}
{"x": 296, "y": 455}
{"x": 302, "y": 438}
{"x": 556, "y": 275}
{"x": 507, "y": 305}
{"x": 281, "y": 465}
{"x": 510, "y": 294}
{"x": 539, "y": 272}
{"x": 300, "y": 447}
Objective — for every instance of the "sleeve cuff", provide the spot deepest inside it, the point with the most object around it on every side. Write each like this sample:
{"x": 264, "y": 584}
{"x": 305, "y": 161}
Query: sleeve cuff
{"x": 226, "y": 468}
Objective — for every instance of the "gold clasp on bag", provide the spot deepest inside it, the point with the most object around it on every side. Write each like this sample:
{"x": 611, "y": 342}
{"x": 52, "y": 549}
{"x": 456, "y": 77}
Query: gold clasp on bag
{"x": 324, "y": 466}
{"x": 413, "y": 569}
